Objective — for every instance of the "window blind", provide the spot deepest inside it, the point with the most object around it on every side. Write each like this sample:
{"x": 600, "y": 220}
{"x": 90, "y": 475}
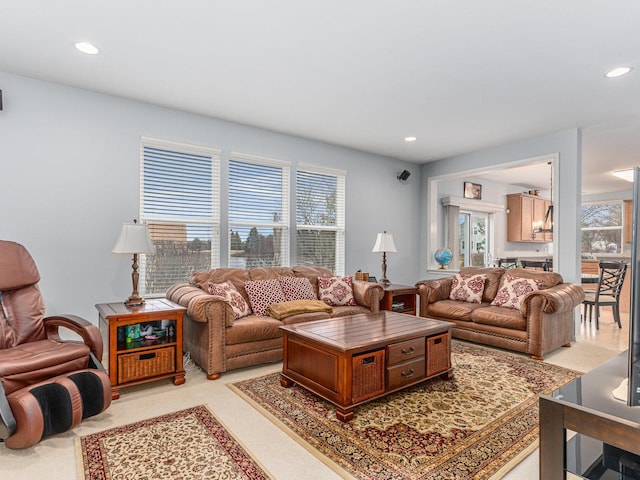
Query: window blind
{"x": 320, "y": 218}
{"x": 258, "y": 212}
{"x": 180, "y": 202}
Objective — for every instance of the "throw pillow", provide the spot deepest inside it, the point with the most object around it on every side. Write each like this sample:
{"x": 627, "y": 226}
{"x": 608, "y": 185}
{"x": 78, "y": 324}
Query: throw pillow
{"x": 336, "y": 291}
{"x": 263, "y": 293}
{"x": 227, "y": 291}
{"x": 513, "y": 290}
{"x": 297, "y": 288}
{"x": 468, "y": 288}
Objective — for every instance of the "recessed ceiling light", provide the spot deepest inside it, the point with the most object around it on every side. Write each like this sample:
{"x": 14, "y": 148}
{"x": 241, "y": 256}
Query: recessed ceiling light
{"x": 624, "y": 174}
{"x": 86, "y": 47}
{"x": 618, "y": 72}
{"x": 410, "y": 139}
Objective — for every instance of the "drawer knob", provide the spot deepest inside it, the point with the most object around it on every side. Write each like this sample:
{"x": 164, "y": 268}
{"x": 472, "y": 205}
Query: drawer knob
{"x": 408, "y": 374}
{"x": 408, "y": 351}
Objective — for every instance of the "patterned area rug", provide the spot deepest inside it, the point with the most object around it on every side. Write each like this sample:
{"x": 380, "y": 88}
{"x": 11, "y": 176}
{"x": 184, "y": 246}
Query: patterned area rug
{"x": 476, "y": 426}
{"x": 188, "y": 445}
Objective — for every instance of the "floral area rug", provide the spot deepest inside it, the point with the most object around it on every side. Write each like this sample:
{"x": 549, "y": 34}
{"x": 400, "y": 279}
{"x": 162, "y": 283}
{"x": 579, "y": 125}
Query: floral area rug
{"x": 188, "y": 445}
{"x": 476, "y": 426}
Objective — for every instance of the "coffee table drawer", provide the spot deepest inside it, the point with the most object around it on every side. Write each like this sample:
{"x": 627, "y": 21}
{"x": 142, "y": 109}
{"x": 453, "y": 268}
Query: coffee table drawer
{"x": 405, "y": 373}
{"x": 404, "y": 351}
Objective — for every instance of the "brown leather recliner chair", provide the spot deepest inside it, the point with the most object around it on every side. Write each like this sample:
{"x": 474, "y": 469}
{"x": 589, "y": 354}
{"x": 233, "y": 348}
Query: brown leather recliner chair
{"x": 47, "y": 385}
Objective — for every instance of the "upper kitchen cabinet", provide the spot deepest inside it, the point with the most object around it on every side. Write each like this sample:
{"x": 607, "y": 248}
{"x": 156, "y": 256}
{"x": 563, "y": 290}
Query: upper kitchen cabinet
{"x": 524, "y": 214}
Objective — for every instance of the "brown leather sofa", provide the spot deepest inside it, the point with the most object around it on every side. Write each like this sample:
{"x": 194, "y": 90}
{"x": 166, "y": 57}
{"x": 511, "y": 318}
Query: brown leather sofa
{"x": 543, "y": 323}
{"x": 218, "y": 342}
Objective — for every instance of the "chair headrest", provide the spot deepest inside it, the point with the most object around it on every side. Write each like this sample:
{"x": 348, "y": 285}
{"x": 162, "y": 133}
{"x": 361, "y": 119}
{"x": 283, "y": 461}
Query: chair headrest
{"x": 17, "y": 268}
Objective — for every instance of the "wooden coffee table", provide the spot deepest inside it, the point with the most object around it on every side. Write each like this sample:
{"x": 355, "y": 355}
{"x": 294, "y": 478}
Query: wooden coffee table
{"x": 352, "y": 360}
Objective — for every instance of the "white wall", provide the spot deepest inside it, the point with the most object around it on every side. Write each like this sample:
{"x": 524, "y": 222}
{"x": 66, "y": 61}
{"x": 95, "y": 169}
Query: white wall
{"x": 565, "y": 146}
{"x": 70, "y": 173}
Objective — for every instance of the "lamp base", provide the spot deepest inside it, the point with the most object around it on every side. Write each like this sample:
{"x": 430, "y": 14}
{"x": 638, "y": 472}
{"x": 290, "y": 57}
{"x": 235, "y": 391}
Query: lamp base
{"x": 384, "y": 282}
{"x": 134, "y": 301}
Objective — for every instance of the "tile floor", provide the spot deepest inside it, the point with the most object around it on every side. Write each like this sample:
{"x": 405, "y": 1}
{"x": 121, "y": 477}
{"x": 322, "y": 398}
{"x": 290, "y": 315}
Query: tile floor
{"x": 55, "y": 458}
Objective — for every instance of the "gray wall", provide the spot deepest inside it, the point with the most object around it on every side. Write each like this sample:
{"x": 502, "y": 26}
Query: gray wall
{"x": 566, "y": 146}
{"x": 71, "y": 176}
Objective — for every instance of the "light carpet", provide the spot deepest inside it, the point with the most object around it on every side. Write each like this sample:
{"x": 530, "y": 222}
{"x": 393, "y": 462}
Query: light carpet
{"x": 187, "y": 445}
{"x": 476, "y": 426}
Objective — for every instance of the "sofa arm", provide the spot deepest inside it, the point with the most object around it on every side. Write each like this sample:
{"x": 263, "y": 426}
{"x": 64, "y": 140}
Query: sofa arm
{"x": 88, "y": 331}
{"x": 200, "y": 305}
{"x": 430, "y": 291}
{"x": 556, "y": 299}
{"x": 368, "y": 294}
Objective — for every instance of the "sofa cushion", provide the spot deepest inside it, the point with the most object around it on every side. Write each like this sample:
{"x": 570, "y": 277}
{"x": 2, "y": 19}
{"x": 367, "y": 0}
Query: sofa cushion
{"x": 494, "y": 275}
{"x": 344, "y": 310}
{"x": 336, "y": 290}
{"x": 499, "y": 317}
{"x": 295, "y": 307}
{"x": 252, "y": 328}
{"x": 267, "y": 273}
{"x": 236, "y": 276}
{"x": 228, "y": 291}
{"x": 263, "y": 293}
{"x": 454, "y": 309}
{"x": 514, "y": 289}
{"x": 467, "y": 288}
{"x": 297, "y": 288}
{"x": 312, "y": 273}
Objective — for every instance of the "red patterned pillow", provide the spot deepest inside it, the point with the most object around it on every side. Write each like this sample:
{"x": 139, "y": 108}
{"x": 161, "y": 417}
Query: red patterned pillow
{"x": 336, "y": 291}
{"x": 468, "y": 288}
{"x": 263, "y": 293}
{"x": 227, "y": 291}
{"x": 513, "y": 290}
{"x": 297, "y": 288}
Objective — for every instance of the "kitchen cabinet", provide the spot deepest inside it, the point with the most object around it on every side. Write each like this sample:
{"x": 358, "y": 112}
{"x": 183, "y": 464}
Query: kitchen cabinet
{"x": 523, "y": 212}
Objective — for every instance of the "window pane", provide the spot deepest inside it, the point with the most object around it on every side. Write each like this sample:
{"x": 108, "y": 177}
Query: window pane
{"x": 602, "y": 241}
{"x": 181, "y": 249}
{"x": 316, "y": 199}
{"x": 255, "y": 247}
{"x": 601, "y": 215}
{"x": 317, "y": 247}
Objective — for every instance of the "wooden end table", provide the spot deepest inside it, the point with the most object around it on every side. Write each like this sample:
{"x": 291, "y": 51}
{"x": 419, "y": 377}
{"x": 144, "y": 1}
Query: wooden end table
{"x": 136, "y": 357}
{"x": 403, "y": 296}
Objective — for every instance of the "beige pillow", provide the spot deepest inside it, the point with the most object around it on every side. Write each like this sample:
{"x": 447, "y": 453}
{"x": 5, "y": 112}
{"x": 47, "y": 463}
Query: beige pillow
{"x": 513, "y": 290}
{"x": 283, "y": 310}
{"x": 468, "y": 288}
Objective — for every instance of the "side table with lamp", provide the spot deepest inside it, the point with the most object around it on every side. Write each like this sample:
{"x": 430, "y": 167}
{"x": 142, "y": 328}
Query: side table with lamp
{"x": 144, "y": 337}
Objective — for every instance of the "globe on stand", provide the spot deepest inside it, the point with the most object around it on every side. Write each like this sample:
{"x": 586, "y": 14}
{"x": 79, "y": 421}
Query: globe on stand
{"x": 443, "y": 257}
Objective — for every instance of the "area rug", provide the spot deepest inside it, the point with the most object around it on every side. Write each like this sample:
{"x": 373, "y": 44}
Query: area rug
{"x": 476, "y": 426}
{"x": 187, "y": 445}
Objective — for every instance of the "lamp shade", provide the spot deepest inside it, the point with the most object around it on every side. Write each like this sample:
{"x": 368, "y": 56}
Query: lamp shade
{"x": 384, "y": 243}
{"x": 134, "y": 238}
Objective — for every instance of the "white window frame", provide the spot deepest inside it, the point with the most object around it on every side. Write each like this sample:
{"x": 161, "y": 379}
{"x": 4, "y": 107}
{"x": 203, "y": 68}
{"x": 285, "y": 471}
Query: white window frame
{"x": 213, "y": 222}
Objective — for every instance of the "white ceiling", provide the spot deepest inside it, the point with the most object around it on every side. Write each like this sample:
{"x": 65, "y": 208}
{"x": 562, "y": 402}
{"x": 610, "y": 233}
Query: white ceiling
{"x": 460, "y": 75}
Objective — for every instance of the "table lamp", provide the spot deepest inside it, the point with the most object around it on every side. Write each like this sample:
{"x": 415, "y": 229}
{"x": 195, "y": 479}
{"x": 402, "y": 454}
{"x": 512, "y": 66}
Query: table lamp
{"x": 134, "y": 239}
{"x": 384, "y": 243}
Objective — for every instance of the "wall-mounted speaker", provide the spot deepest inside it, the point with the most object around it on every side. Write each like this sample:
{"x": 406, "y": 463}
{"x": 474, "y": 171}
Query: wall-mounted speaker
{"x": 404, "y": 175}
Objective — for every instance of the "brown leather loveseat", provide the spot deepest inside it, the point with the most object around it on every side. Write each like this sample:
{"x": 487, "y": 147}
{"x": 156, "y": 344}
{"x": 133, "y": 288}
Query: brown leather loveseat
{"x": 217, "y": 341}
{"x": 543, "y": 321}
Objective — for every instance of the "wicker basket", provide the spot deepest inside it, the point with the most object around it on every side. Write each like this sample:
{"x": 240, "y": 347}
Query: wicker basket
{"x": 368, "y": 375}
{"x": 438, "y": 358}
{"x": 139, "y": 365}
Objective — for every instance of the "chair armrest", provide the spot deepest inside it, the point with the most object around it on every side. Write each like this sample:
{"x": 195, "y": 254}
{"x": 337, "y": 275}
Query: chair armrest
{"x": 431, "y": 291}
{"x": 368, "y": 294}
{"x": 556, "y": 299}
{"x": 88, "y": 331}
{"x": 7, "y": 420}
{"x": 201, "y": 306}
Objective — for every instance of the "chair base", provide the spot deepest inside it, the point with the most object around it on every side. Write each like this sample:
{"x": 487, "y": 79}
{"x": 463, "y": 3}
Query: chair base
{"x": 56, "y": 405}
